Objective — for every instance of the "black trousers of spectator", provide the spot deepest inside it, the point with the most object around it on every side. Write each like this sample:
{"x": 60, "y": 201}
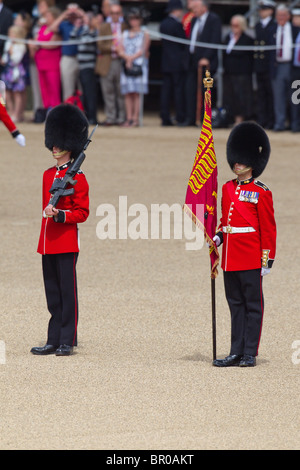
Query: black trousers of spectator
{"x": 191, "y": 95}
{"x": 88, "y": 82}
{"x": 238, "y": 96}
{"x": 243, "y": 290}
{"x": 265, "y": 111}
{"x": 172, "y": 89}
{"x": 59, "y": 271}
{"x": 191, "y": 90}
{"x": 295, "y": 105}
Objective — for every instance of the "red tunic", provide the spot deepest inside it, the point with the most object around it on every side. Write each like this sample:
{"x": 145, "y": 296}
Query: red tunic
{"x": 62, "y": 237}
{"x": 4, "y": 117}
{"x": 247, "y": 206}
{"x": 186, "y": 22}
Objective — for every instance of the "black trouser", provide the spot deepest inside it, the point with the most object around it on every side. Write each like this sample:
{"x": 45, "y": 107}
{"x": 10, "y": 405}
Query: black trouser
{"x": 295, "y": 111}
{"x": 244, "y": 295}
{"x": 88, "y": 82}
{"x": 191, "y": 89}
{"x": 172, "y": 87}
{"x": 265, "y": 111}
{"x": 238, "y": 99}
{"x": 60, "y": 282}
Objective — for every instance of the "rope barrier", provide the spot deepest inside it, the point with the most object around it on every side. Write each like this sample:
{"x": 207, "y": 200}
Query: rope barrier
{"x": 154, "y": 34}
{"x": 214, "y": 46}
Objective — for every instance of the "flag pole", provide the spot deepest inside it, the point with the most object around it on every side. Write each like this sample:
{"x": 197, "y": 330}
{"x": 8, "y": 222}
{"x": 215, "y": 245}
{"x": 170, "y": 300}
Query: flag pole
{"x": 208, "y": 83}
{"x": 213, "y": 312}
{"x": 202, "y": 189}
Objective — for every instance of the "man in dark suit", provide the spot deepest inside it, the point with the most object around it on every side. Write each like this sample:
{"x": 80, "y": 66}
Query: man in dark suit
{"x": 6, "y": 20}
{"x": 264, "y": 31}
{"x": 205, "y": 27}
{"x": 281, "y": 65}
{"x": 173, "y": 65}
{"x": 295, "y": 74}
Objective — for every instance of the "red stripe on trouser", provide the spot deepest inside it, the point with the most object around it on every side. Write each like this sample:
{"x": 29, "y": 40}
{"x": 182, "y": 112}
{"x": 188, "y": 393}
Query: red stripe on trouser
{"x": 75, "y": 298}
{"x": 262, "y": 313}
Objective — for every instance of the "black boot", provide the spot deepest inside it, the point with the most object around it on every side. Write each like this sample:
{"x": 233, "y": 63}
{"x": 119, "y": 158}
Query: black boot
{"x": 64, "y": 350}
{"x": 248, "y": 361}
{"x": 44, "y": 350}
{"x": 229, "y": 361}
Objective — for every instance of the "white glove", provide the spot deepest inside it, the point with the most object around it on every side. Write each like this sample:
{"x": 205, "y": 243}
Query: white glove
{"x": 217, "y": 240}
{"x": 20, "y": 139}
{"x": 265, "y": 271}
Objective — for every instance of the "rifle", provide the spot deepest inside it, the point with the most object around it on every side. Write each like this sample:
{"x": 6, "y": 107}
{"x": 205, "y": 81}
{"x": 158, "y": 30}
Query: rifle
{"x": 58, "y": 188}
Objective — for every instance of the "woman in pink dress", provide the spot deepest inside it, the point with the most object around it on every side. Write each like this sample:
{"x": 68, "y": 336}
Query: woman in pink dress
{"x": 47, "y": 60}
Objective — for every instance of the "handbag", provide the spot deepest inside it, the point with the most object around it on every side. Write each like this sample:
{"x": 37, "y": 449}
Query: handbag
{"x": 135, "y": 70}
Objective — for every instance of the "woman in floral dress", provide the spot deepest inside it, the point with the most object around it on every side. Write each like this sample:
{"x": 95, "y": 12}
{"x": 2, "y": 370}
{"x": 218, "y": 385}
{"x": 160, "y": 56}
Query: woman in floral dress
{"x": 134, "y": 49}
{"x": 14, "y": 73}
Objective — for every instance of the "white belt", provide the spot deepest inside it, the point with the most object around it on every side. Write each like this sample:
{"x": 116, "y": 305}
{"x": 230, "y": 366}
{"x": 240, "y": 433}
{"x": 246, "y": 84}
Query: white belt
{"x": 229, "y": 229}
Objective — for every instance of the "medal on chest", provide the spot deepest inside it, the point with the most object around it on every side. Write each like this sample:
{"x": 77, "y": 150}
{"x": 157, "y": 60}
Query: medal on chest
{"x": 249, "y": 196}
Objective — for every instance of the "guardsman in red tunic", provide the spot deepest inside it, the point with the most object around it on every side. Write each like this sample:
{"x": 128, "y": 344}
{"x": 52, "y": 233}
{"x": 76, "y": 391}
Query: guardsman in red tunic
{"x": 248, "y": 234}
{"x": 10, "y": 125}
{"x": 66, "y": 132}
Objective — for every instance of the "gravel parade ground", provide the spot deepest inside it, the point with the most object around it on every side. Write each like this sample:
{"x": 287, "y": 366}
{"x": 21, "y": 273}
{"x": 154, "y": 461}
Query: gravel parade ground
{"x": 142, "y": 375}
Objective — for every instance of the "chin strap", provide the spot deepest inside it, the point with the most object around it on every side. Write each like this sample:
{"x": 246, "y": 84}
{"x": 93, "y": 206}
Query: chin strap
{"x": 59, "y": 154}
{"x": 242, "y": 172}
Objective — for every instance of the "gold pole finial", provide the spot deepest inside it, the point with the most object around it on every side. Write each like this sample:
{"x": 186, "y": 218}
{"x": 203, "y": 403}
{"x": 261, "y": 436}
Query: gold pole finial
{"x": 208, "y": 82}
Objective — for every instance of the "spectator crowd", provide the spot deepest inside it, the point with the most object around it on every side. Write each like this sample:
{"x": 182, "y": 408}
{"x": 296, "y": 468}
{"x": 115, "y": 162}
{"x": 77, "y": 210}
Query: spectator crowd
{"x": 81, "y": 53}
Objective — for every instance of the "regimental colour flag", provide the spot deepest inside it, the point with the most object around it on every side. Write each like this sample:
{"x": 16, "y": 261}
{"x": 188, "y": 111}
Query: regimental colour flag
{"x": 202, "y": 187}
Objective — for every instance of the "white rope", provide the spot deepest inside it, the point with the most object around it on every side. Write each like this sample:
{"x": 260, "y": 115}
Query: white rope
{"x": 70, "y": 42}
{"x": 152, "y": 33}
{"x": 213, "y": 46}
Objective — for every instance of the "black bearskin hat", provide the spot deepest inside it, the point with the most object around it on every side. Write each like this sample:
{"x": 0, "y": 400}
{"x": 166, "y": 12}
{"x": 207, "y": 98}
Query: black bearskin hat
{"x": 66, "y": 127}
{"x": 249, "y": 145}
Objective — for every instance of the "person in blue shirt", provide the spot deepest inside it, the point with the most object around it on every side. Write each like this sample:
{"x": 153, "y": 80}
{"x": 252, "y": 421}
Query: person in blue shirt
{"x": 69, "y": 68}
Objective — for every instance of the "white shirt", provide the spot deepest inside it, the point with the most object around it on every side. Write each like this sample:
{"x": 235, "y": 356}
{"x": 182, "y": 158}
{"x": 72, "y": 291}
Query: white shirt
{"x": 287, "y": 47}
{"x": 231, "y": 43}
{"x": 197, "y": 29}
{"x": 117, "y": 35}
{"x": 265, "y": 21}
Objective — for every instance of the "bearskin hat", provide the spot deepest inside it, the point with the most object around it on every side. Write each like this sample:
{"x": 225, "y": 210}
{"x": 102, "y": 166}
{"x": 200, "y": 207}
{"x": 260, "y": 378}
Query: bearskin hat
{"x": 66, "y": 127}
{"x": 249, "y": 145}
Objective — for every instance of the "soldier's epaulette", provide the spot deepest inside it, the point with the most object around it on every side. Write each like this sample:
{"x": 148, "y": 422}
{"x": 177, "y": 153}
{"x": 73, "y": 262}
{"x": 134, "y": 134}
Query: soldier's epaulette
{"x": 261, "y": 185}
{"x": 80, "y": 172}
